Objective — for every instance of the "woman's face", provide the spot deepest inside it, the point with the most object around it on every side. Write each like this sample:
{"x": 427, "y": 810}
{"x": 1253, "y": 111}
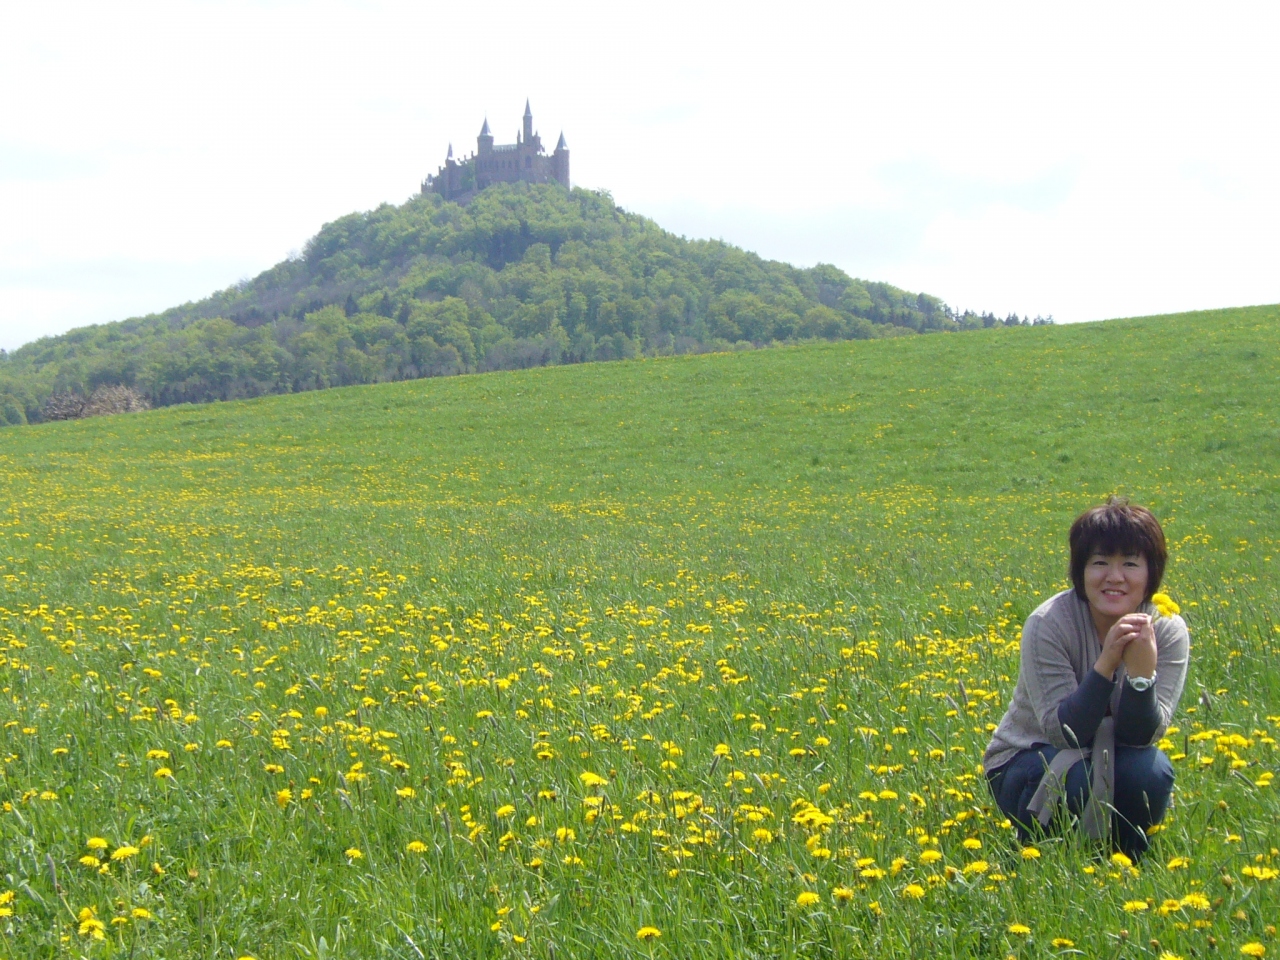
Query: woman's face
{"x": 1115, "y": 584}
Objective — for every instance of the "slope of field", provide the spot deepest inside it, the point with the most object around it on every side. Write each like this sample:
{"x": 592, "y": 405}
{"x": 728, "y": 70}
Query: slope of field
{"x": 670, "y": 658}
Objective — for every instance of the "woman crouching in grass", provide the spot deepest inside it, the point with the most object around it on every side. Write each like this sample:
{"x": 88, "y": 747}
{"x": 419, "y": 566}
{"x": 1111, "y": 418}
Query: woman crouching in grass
{"x": 1100, "y": 675}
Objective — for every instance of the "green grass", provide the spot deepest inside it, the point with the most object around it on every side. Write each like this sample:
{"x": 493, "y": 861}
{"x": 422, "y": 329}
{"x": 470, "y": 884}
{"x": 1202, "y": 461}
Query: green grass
{"x": 818, "y": 557}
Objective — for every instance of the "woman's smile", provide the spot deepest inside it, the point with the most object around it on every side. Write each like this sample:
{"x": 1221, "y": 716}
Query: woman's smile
{"x": 1115, "y": 584}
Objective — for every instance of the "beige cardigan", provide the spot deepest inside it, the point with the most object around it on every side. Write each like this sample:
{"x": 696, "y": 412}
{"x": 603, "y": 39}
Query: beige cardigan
{"x": 1059, "y": 648}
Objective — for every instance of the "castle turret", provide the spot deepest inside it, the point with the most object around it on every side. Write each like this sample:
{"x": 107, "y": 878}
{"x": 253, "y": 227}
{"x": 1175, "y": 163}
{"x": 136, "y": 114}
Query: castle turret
{"x": 484, "y": 142}
{"x": 528, "y": 122}
{"x": 560, "y": 162}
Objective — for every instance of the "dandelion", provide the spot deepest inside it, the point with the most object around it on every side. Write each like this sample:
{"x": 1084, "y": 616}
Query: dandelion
{"x": 90, "y": 925}
{"x": 415, "y": 846}
{"x": 140, "y": 913}
{"x": 762, "y": 835}
{"x": 807, "y": 899}
{"x": 1135, "y": 906}
{"x": 1019, "y": 929}
{"x": 124, "y": 853}
{"x": 590, "y": 779}
{"x": 353, "y": 853}
{"x": 1062, "y": 942}
{"x": 505, "y": 810}
{"x": 930, "y": 856}
{"x": 406, "y": 793}
{"x": 96, "y": 843}
{"x": 157, "y": 754}
{"x": 646, "y": 934}
{"x": 89, "y": 860}
{"x": 162, "y": 773}
{"x": 1179, "y": 863}
{"x": 284, "y": 797}
{"x": 1196, "y": 901}
{"x": 1030, "y": 853}
{"x": 972, "y": 843}
{"x": 977, "y": 866}
{"x": 842, "y": 894}
{"x": 913, "y": 890}
{"x": 1120, "y": 860}
{"x": 1166, "y": 955}
{"x": 1253, "y": 950}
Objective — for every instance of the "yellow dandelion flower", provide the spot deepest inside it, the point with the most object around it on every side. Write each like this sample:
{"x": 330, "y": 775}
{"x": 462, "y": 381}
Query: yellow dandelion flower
{"x": 1030, "y": 853}
{"x": 406, "y": 793}
{"x": 972, "y": 843}
{"x": 157, "y": 754}
{"x": 930, "y": 856}
{"x": 353, "y": 853}
{"x": 89, "y": 860}
{"x": 590, "y": 779}
{"x": 1196, "y": 901}
{"x": 416, "y": 846}
{"x": 124, "y": 853}
{"x": 648, "y": 933}
{"x": 913, "y": 890}
{"x": 284, "y": 797}
{"x": 1254, "y": 950}
{"x": 505, "y": 810}
{"x": 1062, "y": 942}
{"x": 977, "y": 866}
{"x": 96, "y": 843}
{"x": 1120, "y": 860}
{"x": 1019, "y": 929}
{"x": 1179, "y": 863}
{"x": 807, "y": 899}
{"x": 1166, "y": 955}
{"x": 842, "y": 894}
{"x": 1135, "y": 906}
{"x": 140, "y": 913}
{"x": 162, "y": 773}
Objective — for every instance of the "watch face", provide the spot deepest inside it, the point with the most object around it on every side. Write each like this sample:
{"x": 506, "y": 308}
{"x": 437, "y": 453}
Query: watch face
{"x": 1141, "y": 683}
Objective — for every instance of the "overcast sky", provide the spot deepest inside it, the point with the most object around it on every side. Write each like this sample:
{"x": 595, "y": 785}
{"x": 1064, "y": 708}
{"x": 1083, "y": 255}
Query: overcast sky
{"x": 1087, "y": 161}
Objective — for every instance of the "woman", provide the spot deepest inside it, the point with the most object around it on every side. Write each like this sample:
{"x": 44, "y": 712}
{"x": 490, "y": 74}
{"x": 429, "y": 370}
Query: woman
{"x": 1100, "y": 676}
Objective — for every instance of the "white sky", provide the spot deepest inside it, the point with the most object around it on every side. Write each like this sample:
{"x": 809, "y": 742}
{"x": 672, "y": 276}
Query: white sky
{"x": 1087, "y": 160}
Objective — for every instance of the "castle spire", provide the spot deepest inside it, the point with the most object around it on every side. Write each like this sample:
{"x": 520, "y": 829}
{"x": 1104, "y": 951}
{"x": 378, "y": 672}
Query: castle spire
{"x": 484, "y": 131}
{"x": 528, "y": 122}
{"x": 561, "y": 145}
{"x": 450, "y": 156}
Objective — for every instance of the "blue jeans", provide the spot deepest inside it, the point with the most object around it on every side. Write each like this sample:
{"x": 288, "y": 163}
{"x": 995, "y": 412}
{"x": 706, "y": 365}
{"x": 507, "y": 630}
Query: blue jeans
{"x": 1144, "y": 782}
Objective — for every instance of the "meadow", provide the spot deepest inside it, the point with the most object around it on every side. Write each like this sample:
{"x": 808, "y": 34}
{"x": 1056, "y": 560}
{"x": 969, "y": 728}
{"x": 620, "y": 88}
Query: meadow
{"x": 690, "y": 657}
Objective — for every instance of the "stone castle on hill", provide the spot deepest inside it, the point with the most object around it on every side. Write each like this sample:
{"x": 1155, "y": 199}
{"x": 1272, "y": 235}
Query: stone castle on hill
{"x": 524, "y": 160}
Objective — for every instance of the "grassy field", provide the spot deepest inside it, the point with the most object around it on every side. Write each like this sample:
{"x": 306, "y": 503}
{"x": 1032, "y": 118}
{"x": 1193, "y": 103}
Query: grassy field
{"x": 683, "y": 658}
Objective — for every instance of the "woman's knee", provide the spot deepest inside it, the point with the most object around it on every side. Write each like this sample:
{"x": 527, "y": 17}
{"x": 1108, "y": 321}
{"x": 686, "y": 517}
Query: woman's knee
{"x": 1144, "y": 780}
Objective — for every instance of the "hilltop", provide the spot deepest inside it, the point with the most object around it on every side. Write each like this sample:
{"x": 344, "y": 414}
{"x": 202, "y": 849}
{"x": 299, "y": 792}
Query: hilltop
{"x": 524, "y": 275}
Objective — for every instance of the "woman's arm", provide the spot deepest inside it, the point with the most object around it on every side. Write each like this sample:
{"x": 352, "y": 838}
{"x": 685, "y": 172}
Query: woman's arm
{"x": 1143, "y": 716}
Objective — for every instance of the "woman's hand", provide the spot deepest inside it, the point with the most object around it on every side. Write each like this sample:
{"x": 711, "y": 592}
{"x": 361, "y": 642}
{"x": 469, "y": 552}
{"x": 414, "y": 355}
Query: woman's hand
{"x": 1140, "y": 654}
{"x": 1123, "y": 634}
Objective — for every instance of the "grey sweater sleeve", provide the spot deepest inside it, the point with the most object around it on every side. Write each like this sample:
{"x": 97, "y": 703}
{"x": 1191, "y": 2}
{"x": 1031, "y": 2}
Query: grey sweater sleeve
{"x": 1137, "y": 717}
{"x": 1082, "y": 711}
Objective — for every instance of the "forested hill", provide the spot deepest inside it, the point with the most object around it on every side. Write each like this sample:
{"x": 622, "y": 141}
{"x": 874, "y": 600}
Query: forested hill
{"x": 523, "y": 276}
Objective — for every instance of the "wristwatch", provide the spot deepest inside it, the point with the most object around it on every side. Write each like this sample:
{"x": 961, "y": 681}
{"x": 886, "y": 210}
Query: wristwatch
{"x": 1141, "y": 684}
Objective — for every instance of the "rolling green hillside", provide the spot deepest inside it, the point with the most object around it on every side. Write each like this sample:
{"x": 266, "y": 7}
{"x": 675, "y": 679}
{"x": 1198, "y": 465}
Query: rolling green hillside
{"x": 521, "y": 277}
{"x": 537, "y": 663}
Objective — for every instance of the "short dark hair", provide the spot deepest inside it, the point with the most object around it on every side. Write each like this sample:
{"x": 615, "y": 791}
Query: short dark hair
{"x": 1118, "y": 526}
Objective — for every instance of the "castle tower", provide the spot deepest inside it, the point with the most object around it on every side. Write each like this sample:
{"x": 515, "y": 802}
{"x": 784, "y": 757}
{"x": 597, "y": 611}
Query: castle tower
{"x": 484, "y": 142}
{"x": 560, "y": 162}
{"x": 528, "y": 122}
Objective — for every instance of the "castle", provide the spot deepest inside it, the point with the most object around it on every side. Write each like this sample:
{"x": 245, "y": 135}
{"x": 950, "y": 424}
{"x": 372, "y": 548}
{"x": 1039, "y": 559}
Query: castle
{"x": 460, "y": 180}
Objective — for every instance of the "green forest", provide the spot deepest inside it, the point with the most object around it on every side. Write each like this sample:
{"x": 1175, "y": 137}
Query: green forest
{"x": 522, "y": 276}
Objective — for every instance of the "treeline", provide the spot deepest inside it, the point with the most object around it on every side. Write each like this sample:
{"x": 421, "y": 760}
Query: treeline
{"x": 523, "y": 276}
